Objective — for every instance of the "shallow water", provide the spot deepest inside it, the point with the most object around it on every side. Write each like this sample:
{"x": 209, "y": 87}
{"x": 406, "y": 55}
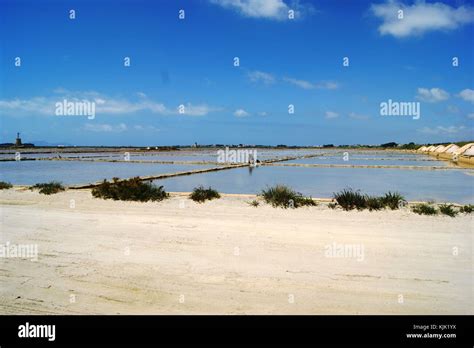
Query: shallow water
{"x": 436, "y": 185}
{"x": 455, "y": 185}
{"x": 77, "y": 172}
{"x": 371, "y": 160}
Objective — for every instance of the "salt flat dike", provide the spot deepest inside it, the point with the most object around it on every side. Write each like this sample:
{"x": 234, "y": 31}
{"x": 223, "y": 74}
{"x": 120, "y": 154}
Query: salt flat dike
{"x": 110, "y": 156}
{"x": 227, "y": 257}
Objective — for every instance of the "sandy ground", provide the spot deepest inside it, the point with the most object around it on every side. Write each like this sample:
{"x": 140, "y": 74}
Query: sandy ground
{"x": 224, "y": 256}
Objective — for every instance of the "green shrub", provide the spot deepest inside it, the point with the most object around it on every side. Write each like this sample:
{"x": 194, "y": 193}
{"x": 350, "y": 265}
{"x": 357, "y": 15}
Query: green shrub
{"x": 447, "y": 209}
{"x": 254, "y": 203}
{"x": 332, "y": 205}
{"x": 393, "y": 200}
{"x": 5, "y": 185}
{"x": 48, "y": 188}
{"x": 129, "y": 190}
{"x": 424, "y": 209}
{"x": 349, "y": 199}
{"x": 201, "y": 194}
{"x": 285, "y": 197}
{"x": 374, "y": 203}
{"x": 305, "y": 201}
{"x": 467, "y": 209}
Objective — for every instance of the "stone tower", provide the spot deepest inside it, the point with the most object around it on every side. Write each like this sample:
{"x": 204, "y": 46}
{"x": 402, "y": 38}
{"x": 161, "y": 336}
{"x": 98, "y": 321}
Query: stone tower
{"x": 18, "y": 140}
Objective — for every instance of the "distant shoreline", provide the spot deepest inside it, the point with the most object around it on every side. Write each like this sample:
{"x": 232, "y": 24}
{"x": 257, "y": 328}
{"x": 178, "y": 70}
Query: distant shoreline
{"x": 114, "y": 149}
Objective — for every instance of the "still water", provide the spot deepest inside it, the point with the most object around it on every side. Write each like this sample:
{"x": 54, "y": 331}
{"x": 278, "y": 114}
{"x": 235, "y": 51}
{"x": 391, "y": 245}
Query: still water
{"x": 80, "y": 172}
{"x": 437, "y": 185}
{"x": 456, "y": 185}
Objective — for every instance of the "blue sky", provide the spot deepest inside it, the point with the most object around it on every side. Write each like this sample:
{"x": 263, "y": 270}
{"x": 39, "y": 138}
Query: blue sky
{"x": 190, "y": 62}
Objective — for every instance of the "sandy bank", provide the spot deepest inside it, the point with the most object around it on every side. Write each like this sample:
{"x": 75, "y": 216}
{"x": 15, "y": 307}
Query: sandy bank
{"x": 224, "y": 256}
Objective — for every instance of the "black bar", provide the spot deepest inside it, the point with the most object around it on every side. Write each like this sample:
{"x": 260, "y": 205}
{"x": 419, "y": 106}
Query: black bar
{"x": 346, "y": 331}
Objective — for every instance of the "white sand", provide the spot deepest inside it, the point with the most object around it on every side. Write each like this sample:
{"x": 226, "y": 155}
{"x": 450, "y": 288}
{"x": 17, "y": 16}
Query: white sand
{"x": 225, "y": 256}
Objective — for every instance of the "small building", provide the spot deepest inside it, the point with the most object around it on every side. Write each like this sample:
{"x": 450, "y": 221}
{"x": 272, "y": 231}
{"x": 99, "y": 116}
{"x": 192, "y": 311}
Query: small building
{"x": 17, "y": 143}
{"x": 18, "y": 140}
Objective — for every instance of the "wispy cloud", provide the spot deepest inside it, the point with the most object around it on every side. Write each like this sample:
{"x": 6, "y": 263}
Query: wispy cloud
{"x": 355, "y": 116}
{"x": 107, "y": 128}
{"x": 420, "y": 17}
{"x": 241, "y": 113}
{"x": 452, "y": 109}
{"x": 432, "y": 95}
{"x": 331, "y": 114}
{"x": 268, "y": 9}
{"x": 327, "y": 85}
{"x": 260, "y": 76}
{"x": 441, "y": 130}
{"x": 299, "y": 83}
{"x": 141, "y": 128}
{"x": 105, "y": 105}
{"x": 198, "y": 110}
{"x": 257, "y": 76}
{"x": 39, "y": 105}
{"x": 309, "y": 85}
{"x": 467, "y": 95}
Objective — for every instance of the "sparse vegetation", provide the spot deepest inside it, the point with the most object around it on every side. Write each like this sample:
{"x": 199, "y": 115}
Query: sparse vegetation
{"x": 285, "y": 197}
{"x": 5, "y": 185}
{"x": 467, "y": 209}
{"x": 306, "y": 201}
{"x": 48, "y": 188}
{"x": 349, "y": 199}
{"x": 201, "y": 194}
{"x": 129, "y": 190}
{"x": 447, "y": 209}
{"x": 374, "y": 203}
{"x": 424, "y": 209}
{"x": 332, "y": 205}
{"x": 254, "y": 203}
{"x": 393, "y": 200}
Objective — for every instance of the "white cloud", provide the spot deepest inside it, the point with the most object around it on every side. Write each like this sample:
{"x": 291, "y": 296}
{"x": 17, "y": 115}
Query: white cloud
{"x": 260, "y": 76}
{"x": 355, "y": 116}
{"x": 39, "y": 105}
{"x": 452, "y": 109}
{"x": 432, "y": 95}
{"x": 308, "y": 85}
{"x": 300, "y": 83}
{"x": 197, "y": 110}
{"x": 108, "y": 128}
{"x": 441, "y": 130}
{"x": 139, "y": 127}
{"x": 327, "y": 85}
{"x": 420, "y": 17}
{"x": 467, "y": 94}
{"x": 331, "y": 114}
{"x": 241, "y": 113}
{"x": 263, "y": 113}
{"x": 104, "y": 105}
{"x": 470, "y": 115}
{"x": 269, "y": 9}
